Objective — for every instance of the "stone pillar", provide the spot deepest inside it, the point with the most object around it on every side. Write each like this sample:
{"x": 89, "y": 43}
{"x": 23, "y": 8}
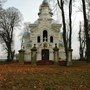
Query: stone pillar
{"x": 69, "y": 61}
{"x": 56, "y": 54}
{"x": 33, "y": 55}
{"x": 21, "y": 56}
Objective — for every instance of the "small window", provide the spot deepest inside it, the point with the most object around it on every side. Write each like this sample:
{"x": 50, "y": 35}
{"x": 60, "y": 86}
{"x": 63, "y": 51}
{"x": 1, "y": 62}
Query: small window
{"x": 38, "y": 39}
{"x": 45, "y": 35}
{"x": 51, "y": 39}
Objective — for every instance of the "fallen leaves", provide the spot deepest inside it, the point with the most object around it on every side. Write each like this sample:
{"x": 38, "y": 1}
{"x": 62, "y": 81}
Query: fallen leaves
{"x": 48, "y": 77}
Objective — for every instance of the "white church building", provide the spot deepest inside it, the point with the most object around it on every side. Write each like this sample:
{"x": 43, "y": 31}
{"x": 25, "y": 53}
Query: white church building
{"x": 44, "y": 33}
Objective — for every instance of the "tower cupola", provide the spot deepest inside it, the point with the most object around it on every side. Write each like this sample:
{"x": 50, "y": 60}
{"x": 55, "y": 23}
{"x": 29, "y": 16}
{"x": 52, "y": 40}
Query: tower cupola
{"x": 45, "y": 11}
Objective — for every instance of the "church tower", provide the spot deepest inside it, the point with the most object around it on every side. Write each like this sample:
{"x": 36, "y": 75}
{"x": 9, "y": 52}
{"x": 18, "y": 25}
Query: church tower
{"x": 45, "y": 33}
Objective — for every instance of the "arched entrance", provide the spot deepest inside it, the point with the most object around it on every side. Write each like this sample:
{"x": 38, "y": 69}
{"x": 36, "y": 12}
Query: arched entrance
{"x": 45, "y": 54}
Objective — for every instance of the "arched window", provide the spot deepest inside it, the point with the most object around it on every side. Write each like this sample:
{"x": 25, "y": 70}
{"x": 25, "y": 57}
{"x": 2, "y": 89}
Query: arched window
{"x": 51, "y": 39}
{"x": 45, "y": 35}
{"x": 38, "y": 39}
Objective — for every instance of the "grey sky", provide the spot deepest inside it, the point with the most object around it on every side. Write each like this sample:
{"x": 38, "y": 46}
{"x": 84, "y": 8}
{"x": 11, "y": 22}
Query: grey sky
{"x": 29, "y": 8}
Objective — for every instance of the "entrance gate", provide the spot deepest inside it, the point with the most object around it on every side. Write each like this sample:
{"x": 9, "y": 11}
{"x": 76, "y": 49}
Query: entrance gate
{"x": 45, "y": 54}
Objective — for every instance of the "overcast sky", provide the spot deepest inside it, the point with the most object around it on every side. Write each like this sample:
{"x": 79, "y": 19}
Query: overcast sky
{"x": 30, "y": 9}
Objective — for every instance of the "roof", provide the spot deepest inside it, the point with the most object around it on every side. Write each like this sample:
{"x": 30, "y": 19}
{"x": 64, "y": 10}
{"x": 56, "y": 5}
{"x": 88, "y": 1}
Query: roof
{"x": 26, "y": 34}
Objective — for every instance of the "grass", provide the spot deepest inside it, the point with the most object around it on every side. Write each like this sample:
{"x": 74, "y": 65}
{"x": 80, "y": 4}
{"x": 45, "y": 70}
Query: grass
{"x": 46, "y": 77}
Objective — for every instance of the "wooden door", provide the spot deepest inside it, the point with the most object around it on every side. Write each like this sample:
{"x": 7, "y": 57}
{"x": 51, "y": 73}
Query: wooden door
{"x": 45, "y": 54}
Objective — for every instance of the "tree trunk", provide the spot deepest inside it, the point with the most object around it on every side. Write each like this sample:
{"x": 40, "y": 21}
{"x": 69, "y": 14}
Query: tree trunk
{"x": 8, "y": 56}
{"x": 70, "y": 24}
{"x": 81, "y": 53}
{"x": 64, "y": 34}
{"x": 64, "y": 27}
{"x": 9, "y": 52}
{"x": 12, "y": 55}
{"x": 82, "y": 43}
{"x": 86, "y": 28}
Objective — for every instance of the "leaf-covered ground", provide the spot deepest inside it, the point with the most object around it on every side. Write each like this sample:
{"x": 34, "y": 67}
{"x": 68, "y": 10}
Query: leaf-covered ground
{"x": 45, "y": 77}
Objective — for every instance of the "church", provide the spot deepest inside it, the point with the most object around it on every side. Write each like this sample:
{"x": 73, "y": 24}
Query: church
{"x": 44, "y": 34}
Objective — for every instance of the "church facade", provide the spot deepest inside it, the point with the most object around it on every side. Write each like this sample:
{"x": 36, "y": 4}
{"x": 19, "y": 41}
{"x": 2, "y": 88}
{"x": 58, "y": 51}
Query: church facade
{"x": 44, "y": 33}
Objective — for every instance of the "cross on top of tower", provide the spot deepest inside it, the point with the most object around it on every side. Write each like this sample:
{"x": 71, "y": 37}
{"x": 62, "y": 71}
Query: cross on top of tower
{"x": 45, "y": 1}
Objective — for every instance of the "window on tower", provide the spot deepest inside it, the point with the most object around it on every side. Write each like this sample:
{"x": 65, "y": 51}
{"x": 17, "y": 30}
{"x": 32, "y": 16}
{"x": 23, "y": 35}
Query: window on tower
{"x": 51, "y": 39}
{"x": 38, "y": 39}
{"x": 45, "y": 35}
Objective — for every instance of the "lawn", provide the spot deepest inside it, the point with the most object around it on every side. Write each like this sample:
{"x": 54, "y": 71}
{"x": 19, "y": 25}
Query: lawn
{"x": 45, "y": 77}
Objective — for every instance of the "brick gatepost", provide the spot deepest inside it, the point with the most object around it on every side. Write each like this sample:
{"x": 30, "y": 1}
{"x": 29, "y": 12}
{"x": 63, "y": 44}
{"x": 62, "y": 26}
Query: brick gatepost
{"x": 33, "y": 55}
{"x": 21, "y": 55}
{"x": 56, "y": 54}
{"x": 69, "y": 61}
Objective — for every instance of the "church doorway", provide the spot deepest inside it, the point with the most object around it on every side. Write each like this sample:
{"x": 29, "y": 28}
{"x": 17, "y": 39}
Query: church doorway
{"x": 45, "y": 54}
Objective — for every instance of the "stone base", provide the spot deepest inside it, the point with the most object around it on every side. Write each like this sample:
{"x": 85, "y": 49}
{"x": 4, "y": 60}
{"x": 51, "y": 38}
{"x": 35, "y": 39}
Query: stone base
{"x": 21, "y": 60}
{"x": 56, "y": 63}
{"x": 69, "y": 63}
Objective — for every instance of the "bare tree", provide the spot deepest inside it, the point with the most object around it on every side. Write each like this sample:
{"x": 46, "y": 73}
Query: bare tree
{"x": 1, "y": 3}
{"x": 9, "y": 20}
{"x": 82, "y": 43}
{"x": 70, "y": 24}
{"x": 27, "y": 26}
{"x": 67, "y": 44}
{"x": 61, "y": 6}
{"x": 86, "y": 29}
